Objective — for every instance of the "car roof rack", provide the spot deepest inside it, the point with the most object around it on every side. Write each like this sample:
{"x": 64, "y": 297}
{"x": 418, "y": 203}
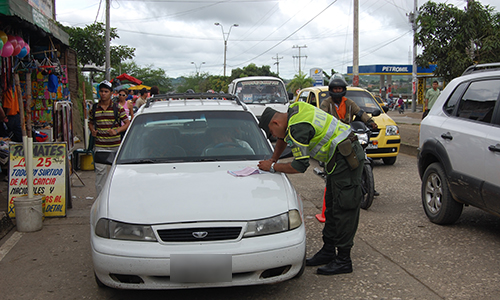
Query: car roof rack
{"x": 194, "y": 96}
{"x": 482, "y": 68}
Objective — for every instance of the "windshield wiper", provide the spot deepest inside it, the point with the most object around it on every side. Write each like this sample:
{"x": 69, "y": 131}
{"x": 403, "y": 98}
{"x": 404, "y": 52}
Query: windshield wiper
{"x": 140, "y": 161}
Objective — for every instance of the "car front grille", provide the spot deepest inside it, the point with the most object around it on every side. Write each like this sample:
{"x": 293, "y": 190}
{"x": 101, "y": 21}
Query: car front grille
{"x": 202, "y": 234}
{"x": 374, "y": 133}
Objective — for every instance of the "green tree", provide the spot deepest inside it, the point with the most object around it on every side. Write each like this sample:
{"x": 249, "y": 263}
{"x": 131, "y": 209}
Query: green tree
{"x": 299, "y": 81}
{"x": 327, "y": 76}
{"x": 196, "y": 82}
{"x": 454, "y": 39}
{"x": 148, "y": 74}
{"x": 89, "y": 43}
{"x": 251, "y": 70}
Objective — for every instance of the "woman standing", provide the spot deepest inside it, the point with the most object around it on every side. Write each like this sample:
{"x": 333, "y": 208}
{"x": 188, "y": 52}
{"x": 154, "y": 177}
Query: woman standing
{"x": 126, "y": 104}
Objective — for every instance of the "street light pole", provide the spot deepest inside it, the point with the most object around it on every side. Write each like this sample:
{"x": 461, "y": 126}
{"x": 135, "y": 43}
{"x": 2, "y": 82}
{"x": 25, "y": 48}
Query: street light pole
{"x": 196, "y": 67}
{"x": 225, "y": 38}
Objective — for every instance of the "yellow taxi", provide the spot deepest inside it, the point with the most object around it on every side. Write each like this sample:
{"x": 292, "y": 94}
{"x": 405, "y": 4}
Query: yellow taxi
{"x": 384, "y": 141}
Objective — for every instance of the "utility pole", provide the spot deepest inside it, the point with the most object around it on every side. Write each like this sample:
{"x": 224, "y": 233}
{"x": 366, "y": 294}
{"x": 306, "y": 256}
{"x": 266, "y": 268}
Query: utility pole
{"x": 107, "y": 68}
{"x": 277, "y": 63}
{"x": 413, "y": 20}
{"x": 300, "y": 56}
{"x": 355, "y": 46}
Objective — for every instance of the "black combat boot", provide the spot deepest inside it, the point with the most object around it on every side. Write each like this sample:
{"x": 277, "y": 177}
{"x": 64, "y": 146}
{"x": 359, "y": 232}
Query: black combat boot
{"x": 324, "y": 256}
{"x": 342, "y": 264}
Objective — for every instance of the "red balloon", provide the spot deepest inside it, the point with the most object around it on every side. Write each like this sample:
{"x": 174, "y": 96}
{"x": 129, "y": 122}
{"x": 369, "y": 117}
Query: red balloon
{"x": 20, "y": 41}
{"x": 12, "y": 40}
{"x": 17, "y": 50}
{"x": 7, "y": 49}
{"x": 27, "y": 48}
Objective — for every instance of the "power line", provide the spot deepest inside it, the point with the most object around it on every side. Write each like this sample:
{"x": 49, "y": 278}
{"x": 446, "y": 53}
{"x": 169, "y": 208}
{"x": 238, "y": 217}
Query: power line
{"x": 277, "y": 63}
{"x": 286, "y": 38}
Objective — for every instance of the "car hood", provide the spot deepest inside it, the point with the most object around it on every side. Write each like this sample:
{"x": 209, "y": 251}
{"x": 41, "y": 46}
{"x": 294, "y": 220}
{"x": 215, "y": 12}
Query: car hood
{"x": 187, "y": 192}
{"x": 258, "y": 109}
{"x": 383, "y": 120}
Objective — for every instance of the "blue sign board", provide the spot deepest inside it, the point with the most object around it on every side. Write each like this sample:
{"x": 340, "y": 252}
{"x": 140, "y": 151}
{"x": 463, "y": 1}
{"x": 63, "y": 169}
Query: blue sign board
{"x": 392, "y": 70}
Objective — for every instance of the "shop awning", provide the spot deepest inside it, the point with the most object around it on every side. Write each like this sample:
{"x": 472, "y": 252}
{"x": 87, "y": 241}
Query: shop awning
{"x": 132, "y": 79}
{"x": 40, "y": 16}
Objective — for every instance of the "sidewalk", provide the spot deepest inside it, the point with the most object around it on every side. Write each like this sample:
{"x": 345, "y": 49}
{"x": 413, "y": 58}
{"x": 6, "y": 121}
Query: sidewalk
{"x": 409, "y": 127}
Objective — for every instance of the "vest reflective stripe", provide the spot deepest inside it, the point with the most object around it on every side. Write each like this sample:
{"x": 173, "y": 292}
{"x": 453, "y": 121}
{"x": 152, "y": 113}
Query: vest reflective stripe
{"x": 328, "y": 131}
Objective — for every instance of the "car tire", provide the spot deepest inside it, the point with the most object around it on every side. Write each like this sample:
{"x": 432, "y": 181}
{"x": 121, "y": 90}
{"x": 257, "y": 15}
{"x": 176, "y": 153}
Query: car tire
{"x": 439, "y": 205}
{"x": 99, "y": 282}
{"x": 389, "y": 160}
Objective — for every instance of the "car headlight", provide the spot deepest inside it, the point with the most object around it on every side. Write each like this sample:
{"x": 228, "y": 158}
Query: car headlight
{"x": 110, "y": 229}
{"x": 280, "y": 223}
{"x": 391, "y": 130}
{"x": 363, "y": 138}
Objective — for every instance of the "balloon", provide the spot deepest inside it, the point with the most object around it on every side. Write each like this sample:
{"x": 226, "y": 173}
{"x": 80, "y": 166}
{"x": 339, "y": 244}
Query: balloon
{"x": 20, "y": 41}
{"x": 27, "y": 48}
{"x": 17, "y": 50}
{"x": 4, "y": 37}
{"x": 7, "y": 49}
{"x": 1, "y": 45}
{"x": 23, "y": 53}
{"x": 12, "y": 40}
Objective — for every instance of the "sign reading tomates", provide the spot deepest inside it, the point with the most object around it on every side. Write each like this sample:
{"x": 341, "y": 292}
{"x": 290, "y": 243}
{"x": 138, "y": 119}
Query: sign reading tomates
{"x": 49, "y": 176}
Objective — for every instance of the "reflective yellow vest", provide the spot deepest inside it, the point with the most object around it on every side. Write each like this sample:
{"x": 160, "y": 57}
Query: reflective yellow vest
{"x": 329, "y": 132}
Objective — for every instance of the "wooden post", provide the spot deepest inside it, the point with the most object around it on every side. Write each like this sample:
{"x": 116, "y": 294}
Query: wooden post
{"x": 21, "y": 104}
{"x": 28, "y": 103}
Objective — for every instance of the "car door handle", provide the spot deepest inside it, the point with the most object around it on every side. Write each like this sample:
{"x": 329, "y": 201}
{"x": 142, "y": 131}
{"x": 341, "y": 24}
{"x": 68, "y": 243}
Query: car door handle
{"x": 494, "y": 148}
{"x": 447, "y": 136}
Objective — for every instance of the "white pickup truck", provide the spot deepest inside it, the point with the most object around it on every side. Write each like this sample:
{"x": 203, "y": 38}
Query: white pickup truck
{"x": 259, "y": 92}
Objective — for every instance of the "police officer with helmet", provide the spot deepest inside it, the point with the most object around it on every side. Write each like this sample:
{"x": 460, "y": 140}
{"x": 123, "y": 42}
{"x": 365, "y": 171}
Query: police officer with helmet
{"x": 313, "y": 133}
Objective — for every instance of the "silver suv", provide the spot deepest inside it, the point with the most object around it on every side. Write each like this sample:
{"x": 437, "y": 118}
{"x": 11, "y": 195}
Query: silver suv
{"x": 459, "y": 148}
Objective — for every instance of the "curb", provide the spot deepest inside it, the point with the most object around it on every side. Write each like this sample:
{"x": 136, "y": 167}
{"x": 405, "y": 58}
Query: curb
{"x": 5, "y": 224}
{"x": 408, "y": 149}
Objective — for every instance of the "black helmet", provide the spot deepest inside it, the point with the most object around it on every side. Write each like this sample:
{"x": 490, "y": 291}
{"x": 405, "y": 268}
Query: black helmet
{"x": 337, "y": 81}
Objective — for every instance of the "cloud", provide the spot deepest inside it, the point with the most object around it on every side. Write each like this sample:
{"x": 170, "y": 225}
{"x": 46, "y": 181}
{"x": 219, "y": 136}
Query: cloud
{"x": 170, "y": 34}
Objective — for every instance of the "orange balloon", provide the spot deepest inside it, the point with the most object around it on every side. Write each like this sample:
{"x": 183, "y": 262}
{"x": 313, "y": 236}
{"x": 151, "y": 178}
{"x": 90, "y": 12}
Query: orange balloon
{"x": 3, "y": 36}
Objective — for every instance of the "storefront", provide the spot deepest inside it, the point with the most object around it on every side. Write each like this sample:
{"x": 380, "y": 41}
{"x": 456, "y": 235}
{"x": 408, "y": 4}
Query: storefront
{"x": 39, "y": 72}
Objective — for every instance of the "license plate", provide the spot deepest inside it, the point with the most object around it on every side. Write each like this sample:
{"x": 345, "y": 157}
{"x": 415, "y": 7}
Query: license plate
{"x": 202, "y": 268}
{"x": 372, "y": 146}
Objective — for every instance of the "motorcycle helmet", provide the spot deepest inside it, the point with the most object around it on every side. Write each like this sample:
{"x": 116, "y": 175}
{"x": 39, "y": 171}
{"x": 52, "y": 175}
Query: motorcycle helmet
{"x": 337, "y": 81}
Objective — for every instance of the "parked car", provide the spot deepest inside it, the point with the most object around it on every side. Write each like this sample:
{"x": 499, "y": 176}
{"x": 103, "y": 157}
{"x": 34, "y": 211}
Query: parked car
{"x": 385, "y": 141}
{"x": 259, "y": 92}
{"x": 459, "y": 147}
{"x": 172, "y": 216}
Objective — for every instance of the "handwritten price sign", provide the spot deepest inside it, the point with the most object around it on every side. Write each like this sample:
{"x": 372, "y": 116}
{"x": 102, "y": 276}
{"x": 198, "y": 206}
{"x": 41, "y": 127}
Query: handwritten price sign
{"x": 49, "y": 172}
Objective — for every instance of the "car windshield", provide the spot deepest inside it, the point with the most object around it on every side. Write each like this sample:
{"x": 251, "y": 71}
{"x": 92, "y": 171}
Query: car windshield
{"x": 364, "y": 100}
{"x": 261, "y": 91}
{"x": 193, "y": 136}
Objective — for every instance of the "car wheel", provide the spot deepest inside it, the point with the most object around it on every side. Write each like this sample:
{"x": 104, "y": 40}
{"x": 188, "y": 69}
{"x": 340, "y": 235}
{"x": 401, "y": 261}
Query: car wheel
{"x": 439, "y": 205}
{"x": 99, "y": 282}
{"x": 389, "y": 160}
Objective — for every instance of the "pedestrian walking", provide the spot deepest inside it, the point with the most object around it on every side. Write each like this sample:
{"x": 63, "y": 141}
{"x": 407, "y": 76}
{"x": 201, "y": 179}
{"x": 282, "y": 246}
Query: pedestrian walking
{"x": 105, "y": 125}
{"x": 430, "y": 97}
{"x": 313, "y": 133}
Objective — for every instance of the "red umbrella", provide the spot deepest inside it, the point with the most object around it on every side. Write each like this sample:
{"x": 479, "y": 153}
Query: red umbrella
{"x": 132, "y": 79}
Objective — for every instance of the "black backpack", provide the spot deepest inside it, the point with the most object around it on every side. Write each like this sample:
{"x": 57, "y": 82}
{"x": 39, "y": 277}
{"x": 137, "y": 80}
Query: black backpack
{"x": 116, "y": 111}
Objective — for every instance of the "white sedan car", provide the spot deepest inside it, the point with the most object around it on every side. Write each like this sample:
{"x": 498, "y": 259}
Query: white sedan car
{"x": 171, "y": 214}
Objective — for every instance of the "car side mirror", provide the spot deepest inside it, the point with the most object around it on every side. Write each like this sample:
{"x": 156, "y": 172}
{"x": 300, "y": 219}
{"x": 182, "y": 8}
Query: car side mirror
{"x": 376, "y": 113}
{"x": 290, "y": 96}
{"x": 104, "y": 157}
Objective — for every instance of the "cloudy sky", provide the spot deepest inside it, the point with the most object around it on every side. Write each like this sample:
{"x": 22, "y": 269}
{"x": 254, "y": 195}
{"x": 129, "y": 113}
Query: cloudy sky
{"x": 171, "y": 34}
